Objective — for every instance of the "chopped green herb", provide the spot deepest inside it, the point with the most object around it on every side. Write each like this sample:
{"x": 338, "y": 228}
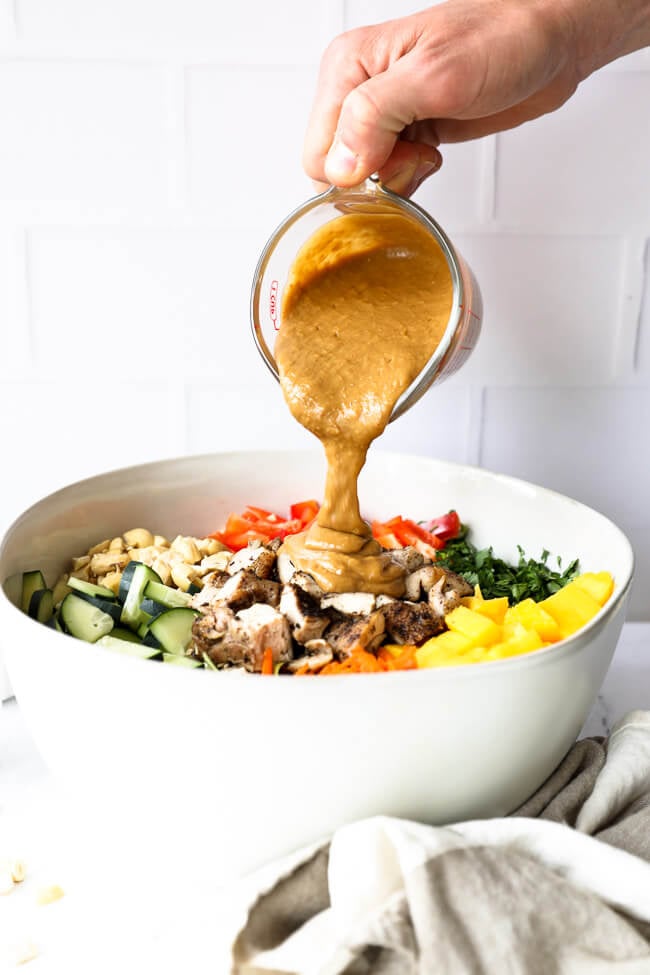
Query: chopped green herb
{"x": 529, "y": 579}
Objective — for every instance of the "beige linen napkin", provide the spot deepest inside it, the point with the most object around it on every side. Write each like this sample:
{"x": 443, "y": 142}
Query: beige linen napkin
{"x": 561, "y": 886}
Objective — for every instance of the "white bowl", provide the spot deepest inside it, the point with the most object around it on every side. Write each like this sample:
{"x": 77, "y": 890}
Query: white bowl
{"x": 251, "y": 766}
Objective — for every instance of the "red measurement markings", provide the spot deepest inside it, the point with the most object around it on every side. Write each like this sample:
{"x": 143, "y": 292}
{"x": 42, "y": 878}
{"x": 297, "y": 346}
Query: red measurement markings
{"x": 470, "y": 312}
{"x": 273, "y": 305}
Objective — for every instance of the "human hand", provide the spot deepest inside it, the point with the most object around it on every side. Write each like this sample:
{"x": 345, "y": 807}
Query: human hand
{"x": 389, "y": 95}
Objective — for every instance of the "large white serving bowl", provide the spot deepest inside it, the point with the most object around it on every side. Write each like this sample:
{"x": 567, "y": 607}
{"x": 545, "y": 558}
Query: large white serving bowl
{"x": 250, "y": 766}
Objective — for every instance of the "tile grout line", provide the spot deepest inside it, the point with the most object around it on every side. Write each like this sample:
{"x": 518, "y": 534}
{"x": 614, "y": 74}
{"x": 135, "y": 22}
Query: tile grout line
{"x": 630, "y": 306}
{"x": 644, "y": 302}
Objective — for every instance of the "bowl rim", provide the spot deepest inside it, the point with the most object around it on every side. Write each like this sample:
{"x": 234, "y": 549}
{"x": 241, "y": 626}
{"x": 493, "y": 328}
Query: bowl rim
{"x": 564, "y": 647}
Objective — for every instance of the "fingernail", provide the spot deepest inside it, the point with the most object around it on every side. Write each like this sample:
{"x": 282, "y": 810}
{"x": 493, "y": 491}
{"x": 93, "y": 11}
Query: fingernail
{"x": 341, "y": 162}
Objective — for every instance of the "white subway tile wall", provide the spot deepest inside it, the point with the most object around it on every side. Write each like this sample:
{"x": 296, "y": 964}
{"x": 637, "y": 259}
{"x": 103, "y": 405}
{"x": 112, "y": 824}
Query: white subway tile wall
{"x": 149, "y": 149}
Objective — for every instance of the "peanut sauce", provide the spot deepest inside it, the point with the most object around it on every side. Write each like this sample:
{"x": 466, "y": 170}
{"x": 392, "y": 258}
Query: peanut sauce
{"x": 367, "y": 302}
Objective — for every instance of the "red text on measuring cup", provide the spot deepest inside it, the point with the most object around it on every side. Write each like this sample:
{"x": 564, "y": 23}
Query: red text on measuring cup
{"x": 273, "y": 305}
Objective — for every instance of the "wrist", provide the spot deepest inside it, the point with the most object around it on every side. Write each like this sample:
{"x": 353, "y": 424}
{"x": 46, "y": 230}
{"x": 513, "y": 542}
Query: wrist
{"x": 604, "y": 30}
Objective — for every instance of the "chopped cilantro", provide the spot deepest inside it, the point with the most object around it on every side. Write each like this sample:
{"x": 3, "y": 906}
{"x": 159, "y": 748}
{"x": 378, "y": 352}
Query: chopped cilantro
{"x": 530, "y": 578}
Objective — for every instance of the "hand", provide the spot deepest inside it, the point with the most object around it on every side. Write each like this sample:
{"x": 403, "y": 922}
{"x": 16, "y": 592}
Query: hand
{"x": 389, "y": 95}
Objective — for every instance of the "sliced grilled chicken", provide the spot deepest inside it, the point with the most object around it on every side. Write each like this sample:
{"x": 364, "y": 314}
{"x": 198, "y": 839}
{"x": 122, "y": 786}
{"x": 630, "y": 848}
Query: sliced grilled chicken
{"x": 383, "y": 600}
{"x": 408, "y": 558}
{"x": 421, "y": 581}
{"x": 241, "y": 591}
{"x": 447, "y": 593}
{"x": 285, "y": 566}
{"x": 305, "y": 581}
{"x": 411, "y": 622}
{"x": 349, "y": 603}
{"x": 255, "y": 558}
{"x": 303, "y": 611}
{"x": 313, "y": 661}
{"x": 366, "y": 632}
{"x": 264, "y": 627}
{"x": 227, "y": 638}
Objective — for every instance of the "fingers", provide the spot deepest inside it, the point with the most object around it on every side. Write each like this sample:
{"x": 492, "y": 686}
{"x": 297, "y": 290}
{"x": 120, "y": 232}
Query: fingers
{"x": 408, "y": 166}
{"x": 341, "y": 72}
{"x": 372, "y": 116}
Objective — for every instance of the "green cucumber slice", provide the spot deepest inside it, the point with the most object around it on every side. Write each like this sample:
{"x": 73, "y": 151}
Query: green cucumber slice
{"x": 31, "y": 582}
{"x": 109, "y": 606}
{"x": 121, "y": 633}
{"x": 90, "y": 589}
{"x": 131, "y": 649}
{"x": 132, "y": 615}
{"x": 41, "y": 605}
{"x": 173, "y": 629}
{"x": 83, "y": 620}
{"x": 180, "y": 661}
{"x": 125, "y": 581}
{"x": 151, "y": 607}
{"x": 166, "y": 596}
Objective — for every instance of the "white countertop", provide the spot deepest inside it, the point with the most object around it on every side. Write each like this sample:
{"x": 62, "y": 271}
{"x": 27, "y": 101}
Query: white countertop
{"x": 111, "y": 919}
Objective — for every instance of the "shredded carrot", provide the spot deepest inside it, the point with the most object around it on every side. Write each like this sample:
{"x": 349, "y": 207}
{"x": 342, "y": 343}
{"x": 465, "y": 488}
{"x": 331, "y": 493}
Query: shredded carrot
{"x": 267, "y": 661}
{"x": 405, "y": 660}
{"x": 359, "y": 662}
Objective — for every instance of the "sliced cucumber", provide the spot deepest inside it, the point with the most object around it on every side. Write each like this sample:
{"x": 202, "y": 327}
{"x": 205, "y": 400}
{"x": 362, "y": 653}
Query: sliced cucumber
{"x": 41, "y": 605}
{"x": 132, "y": 615}
{"x": 173, "y": 629}
{"x": 83, "y": 620}
{"x": 90, "y": 589}
{"x": 109, "y": 606}
{"x": 180, "y": 661}
{"x": 31, "y": 582}
{"x": 131, "y": 649}
{"x": 54, "y": 624}
{"x": 121, "y": 633}
{"x": 13, "y": 587}
{"x": 125, "y": 581}
{"x": 142, "y": 631}
{"x": 151, "y": 607}
{"x": 166, "y": 596}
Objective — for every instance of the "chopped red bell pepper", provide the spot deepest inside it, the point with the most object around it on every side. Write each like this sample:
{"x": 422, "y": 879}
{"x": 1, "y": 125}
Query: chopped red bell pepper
{"x": 305, "y": 511}
{"x": 446, "y": 526}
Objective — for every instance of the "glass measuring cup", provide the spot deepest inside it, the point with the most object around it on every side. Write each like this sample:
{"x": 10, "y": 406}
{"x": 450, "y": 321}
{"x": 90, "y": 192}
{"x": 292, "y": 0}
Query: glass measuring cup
{"x": 272, "y": 272}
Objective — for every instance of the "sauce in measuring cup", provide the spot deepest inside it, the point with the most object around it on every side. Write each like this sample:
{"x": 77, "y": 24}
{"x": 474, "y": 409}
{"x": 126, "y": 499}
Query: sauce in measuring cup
{"x": 370, "y": 313}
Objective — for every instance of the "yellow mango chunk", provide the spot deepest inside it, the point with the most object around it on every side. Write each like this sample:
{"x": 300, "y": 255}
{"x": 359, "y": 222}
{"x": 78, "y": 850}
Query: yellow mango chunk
{"x": 478, "y": 629}
{"x": 570, "y": 607}
{"x": 521, "y": 641}
{"x": 599, "y": 585}
{"x": 533, "y": 616}
{"x": 442, "y": 649}
{"x": 394, "y": 649}
{"x": 494, "y": 609}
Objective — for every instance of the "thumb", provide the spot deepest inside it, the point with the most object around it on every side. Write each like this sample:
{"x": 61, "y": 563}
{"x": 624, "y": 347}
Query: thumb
{"x": 371, "y": 119}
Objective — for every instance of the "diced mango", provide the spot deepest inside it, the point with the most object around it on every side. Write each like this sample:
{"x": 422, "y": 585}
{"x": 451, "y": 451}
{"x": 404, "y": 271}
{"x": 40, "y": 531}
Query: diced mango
{"x": 571, "y": 607}
{"x": 599, "y": 585}
{"x": 441, "y": 649}
{"x": 478, "y": 629}
{"x": 394, "y": 649}
{"x": 494, "y": 609}
{"x": 533, "y": 616}
{"x": 522, "y": 641}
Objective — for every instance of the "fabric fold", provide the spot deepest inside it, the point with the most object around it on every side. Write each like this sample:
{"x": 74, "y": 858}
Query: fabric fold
{"x": 525, "y": 894}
